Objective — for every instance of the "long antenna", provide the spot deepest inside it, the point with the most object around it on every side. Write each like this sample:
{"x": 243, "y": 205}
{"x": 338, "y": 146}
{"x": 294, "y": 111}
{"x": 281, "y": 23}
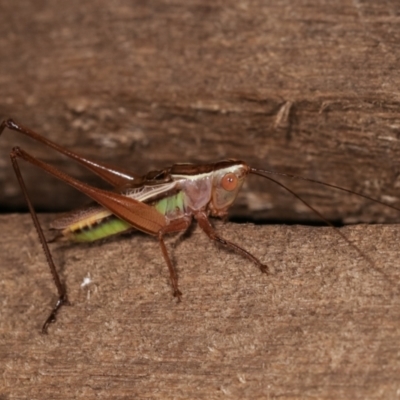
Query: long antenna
{"x": 264, "y": 173}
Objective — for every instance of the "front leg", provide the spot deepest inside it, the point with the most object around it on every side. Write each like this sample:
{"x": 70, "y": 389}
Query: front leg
{"x": 204, "y": 223}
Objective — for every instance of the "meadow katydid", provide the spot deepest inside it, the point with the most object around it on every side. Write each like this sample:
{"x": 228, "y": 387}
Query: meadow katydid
{"x": 157, "y": 203}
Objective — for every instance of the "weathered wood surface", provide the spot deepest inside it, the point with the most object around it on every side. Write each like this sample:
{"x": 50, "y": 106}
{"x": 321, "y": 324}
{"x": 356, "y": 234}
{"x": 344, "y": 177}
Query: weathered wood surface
{"x": 324, "y": 324}
{"x": 306, "y": 87}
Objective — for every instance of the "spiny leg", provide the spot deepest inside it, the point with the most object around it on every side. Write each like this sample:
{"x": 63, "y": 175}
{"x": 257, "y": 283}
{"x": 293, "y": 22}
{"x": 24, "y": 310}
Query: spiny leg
{"x": 179, "y": 225}
{"x": 139, "y": 215}
{"x": 205, "y": 225}
{"x": 62, "y": 294}
{"x": 172, "y": 272}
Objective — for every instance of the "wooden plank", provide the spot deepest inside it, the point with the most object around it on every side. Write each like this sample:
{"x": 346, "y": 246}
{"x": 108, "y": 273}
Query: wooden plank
{"x": 303, "y": 87}
{"x": 325, "y": 324}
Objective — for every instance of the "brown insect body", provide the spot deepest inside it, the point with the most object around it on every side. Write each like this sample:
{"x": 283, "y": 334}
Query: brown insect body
{"x": 157, "y": 203}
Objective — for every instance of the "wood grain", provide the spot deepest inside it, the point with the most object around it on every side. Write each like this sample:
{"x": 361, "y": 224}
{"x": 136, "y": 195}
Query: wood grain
{"x": 325, "y": 324}
{"x": 306, "y": 87}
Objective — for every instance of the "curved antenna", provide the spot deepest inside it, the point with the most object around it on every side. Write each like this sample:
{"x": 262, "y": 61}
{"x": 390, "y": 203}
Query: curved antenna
{"x": 342, "y": 235}
{"x": 263, "y": 173}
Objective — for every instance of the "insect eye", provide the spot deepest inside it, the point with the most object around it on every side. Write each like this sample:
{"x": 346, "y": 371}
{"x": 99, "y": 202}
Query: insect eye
{"x": 229, "y": 182}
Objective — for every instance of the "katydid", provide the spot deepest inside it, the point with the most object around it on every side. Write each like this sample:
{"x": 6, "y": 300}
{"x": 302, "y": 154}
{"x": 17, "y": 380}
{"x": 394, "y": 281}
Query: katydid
{"x": 158, "y": 203}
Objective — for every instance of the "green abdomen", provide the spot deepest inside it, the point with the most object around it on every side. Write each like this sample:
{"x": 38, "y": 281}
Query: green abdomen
{"x": 105, "y": 224}
{"x": 109, "y": 226}
{"x": 172, "y": 206}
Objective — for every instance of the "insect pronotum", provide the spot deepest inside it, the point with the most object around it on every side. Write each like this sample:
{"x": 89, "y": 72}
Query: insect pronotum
{"x": 158, "y": 203}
